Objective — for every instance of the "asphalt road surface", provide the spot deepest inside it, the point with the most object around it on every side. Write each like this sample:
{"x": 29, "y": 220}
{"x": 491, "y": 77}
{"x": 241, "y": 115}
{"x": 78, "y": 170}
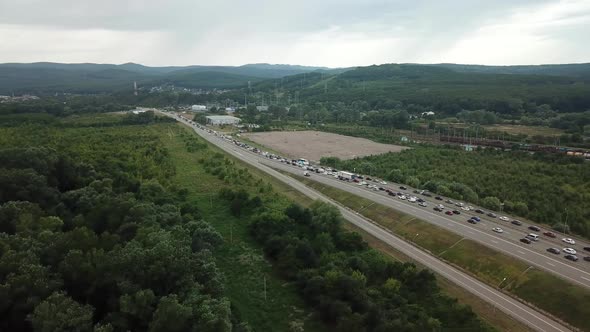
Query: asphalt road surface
{"x": 503, "y": 302}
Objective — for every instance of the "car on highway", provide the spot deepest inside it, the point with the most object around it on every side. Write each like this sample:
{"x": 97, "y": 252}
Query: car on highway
{"x": 534, "y": 228}
{"x": 570, "y": 251}
{"x": 440, "y": 206}
{"x": 549, "y": 234}
{"x": 516, "y": 222}
{"x": 403, "y": 188}
{"x": 383, "y": 182}
{"x": 568, "y": 240}
{"x": 498, "y": 230}
{"x": 459, "y": 204}
{"x": 420, "y": 200}
{"x": 479, "y": 211}
{"x": 587, "y": 258}
{"x": 525, "y": 240}
{"x": 436, "y": 208}
{"x": 423, "y": 204}
{"x": 465, "y": 208}
{"x": 587, "y": 248}
{"x": 472, "y": 221}
{"x": 391, "y": 193}
{"x": 504, "y": 218}
{"x": 554, "y": 250}
{"x": 491, "y": 215}
{"x": 478, "y": 219}
{"x": 438, "y": 198}
{"x": 449, "y": 213}
{"x": 402, "y": 197}
{"x": 456, "y": 212}
{"x": 412, "y": 199}
{"x": 572, "y": 258}
{"x": 448, "y": 201}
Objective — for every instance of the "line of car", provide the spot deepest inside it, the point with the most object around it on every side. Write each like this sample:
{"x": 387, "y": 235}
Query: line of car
{"x": 530, "y": 238}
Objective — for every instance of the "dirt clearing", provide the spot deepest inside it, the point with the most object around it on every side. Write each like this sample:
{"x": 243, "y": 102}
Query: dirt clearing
{"x": 314, "y": 145}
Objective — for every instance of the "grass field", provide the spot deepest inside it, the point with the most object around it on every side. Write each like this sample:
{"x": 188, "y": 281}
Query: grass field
{"x": 241, "y": 260}
{"x": 551, "y": 294}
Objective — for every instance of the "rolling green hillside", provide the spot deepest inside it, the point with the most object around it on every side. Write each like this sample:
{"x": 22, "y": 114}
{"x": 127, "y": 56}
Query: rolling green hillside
{"x": 49, "y": 78}
{"x": 443, "y": 89}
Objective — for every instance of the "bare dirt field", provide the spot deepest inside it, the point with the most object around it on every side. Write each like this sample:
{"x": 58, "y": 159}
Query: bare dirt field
{"x": 314, "y": 145}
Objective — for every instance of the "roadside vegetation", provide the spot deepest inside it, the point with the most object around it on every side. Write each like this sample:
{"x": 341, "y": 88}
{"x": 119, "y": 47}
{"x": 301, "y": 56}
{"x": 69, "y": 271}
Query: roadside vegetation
{"x": 552, "y": 294}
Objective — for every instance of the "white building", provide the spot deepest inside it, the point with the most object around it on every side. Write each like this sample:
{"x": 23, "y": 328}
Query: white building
{"x": 262, "y": 108}
{"x": 218, "y": 120}
{"x": 198, "y": 108}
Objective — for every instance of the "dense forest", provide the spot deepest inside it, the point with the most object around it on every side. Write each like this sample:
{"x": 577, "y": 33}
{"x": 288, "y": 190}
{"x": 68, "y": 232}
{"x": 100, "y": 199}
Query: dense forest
{"x": 548, "y": 188}
{"x": 94, "y": 236}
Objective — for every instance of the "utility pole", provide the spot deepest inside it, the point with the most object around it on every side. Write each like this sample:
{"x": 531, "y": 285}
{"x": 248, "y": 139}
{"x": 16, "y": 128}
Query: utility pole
{"x": 264, "y": 288}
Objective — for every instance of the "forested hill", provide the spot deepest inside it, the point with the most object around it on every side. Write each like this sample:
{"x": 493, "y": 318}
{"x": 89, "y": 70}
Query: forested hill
{"x": 45, "y": 77}
{"x": 446, "y": 89}
{"x": 573, "y": 69}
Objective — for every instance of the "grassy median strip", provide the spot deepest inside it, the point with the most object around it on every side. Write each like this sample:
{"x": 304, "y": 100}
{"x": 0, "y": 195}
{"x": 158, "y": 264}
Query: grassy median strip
{"x": 556, "y": 296}
{"x": 260, "y": 297}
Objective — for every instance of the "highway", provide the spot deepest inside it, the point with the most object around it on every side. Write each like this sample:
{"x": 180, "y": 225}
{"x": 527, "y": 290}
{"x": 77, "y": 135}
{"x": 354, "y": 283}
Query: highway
{"x": 503, "y": 302}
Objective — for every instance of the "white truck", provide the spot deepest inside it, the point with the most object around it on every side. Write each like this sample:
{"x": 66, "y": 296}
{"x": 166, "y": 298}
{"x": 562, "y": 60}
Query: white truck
{"x": 346, "y": 175}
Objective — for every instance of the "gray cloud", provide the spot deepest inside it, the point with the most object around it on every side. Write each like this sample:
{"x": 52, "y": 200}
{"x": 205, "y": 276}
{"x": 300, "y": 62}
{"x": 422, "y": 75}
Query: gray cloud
{"x": 330, "y": 32}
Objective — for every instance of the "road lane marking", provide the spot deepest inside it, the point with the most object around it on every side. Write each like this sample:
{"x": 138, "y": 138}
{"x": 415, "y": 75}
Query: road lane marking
{"x": 494, "y": 241}
{"x": 552, "y": 265}
{"x": 521, "y": 252}
{"x": 585, "y": 278}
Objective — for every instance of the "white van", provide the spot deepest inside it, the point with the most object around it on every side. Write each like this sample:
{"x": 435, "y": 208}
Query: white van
{"x": 533, "y": 237}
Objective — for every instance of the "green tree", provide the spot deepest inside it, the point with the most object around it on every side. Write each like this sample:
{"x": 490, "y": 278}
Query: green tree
{"x": 60, "y": 313}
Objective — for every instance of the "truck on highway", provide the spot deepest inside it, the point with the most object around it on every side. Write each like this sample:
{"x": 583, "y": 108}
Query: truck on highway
{"x": 346, "y": 175}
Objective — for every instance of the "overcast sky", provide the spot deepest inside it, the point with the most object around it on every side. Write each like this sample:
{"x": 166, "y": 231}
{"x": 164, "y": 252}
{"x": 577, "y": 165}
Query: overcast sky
{"x": 333, "y": 33}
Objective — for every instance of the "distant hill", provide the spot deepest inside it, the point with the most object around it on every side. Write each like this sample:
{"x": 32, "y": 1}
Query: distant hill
{"x": 445, "y": 88}
{"x": 573, "y": 70}
{"x": 47, "y": 77}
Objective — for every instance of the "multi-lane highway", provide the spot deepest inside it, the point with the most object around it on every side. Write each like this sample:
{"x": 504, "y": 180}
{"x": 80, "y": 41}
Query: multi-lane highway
{"x": 503, "y": 302}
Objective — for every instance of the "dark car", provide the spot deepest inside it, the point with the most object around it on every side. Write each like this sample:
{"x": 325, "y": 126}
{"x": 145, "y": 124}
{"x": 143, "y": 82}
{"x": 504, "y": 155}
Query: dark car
{"x": 381, "y": 188}
{"x": 456, "y": 212}
{"x": 403, "y": 188}
{"x": 554, "y": 250}
{"x": 427, "y": 194}
{"x": 436, "y": 208}
{"x": 368, "y": 178}
{"x": 450, "y": 213}
{"x": 438, "y": 198}
{"x": 587, "y": 258}
{"x": 472, "y": 221}
{"x": 534, "y": 228}
{"x": 572, "y": 258}
{"x": 416, "y": 191}
{"x": 491, "y": 215}
{"x": 516, "y": 222}
{"x": 587, "y": 248}
{"x": 549, "y": 234}
{"x": 479, "y": 211}
{"x": 387, "y": 191}
{"x": 524, "y": 240}
{"x": 420, "y": 200}
{"x": 476, "y": 218}
{"x": 391, "y": 193}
